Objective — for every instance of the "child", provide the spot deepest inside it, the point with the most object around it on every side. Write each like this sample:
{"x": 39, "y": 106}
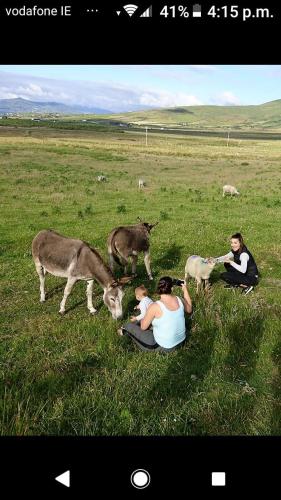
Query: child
{"x": 141, "y": 295}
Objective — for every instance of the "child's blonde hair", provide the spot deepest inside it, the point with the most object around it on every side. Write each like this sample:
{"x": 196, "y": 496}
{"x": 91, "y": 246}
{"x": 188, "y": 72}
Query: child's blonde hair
{"x": 141, "y": 290}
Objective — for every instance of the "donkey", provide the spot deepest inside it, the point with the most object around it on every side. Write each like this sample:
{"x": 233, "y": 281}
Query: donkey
{"x": 76, "y": 260}
{"x": 128, "y": 241}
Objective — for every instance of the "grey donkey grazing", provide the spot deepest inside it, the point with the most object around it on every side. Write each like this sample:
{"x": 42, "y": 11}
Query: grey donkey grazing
{"x": 76, "y": 260}
{"x": 128, "y": 241}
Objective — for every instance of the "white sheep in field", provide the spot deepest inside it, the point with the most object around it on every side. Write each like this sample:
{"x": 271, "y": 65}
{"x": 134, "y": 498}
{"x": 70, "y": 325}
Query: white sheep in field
{"x": 200, "y": 269}
{"x": 101, "y": 178}
{"x": 141, "y": 183}
{"x": 227, "y": 189}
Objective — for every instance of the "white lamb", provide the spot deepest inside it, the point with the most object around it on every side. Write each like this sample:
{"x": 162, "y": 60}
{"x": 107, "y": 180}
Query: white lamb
{"x": 227, "y": 189}
{"x": 101, "y": 178}
{"x": 200, "y": 269}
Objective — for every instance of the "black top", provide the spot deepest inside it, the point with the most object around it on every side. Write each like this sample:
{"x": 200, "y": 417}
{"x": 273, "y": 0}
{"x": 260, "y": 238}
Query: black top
{"x": 252, "y": 269}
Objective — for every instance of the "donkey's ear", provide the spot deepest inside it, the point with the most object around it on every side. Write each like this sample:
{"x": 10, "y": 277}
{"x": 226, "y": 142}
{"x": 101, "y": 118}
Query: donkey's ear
{"x": 125, "y": 279}
{"x": 153, "y": 225}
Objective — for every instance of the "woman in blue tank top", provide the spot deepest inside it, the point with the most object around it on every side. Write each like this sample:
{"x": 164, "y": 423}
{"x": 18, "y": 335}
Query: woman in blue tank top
{"x": 163, "y": 327}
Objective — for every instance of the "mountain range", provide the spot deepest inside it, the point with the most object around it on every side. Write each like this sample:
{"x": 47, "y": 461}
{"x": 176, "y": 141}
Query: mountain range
{"x": 19, "y": 105}
{"x": 265, "y": 116}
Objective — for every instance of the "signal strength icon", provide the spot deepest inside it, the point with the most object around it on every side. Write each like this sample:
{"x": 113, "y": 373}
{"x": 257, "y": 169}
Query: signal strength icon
{"x": 130, "y": 9}
{"x": 147, "y": 12}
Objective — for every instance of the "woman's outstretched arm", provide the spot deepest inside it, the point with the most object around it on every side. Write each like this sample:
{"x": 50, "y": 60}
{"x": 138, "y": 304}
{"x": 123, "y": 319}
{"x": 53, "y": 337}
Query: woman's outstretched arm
{"x": 186, "y": 299}
{"x": 224, "y": 258}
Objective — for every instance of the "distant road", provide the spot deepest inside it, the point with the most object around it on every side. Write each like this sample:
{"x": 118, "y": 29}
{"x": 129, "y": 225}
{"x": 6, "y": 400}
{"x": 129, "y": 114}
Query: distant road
{"x": 271, "y": 136}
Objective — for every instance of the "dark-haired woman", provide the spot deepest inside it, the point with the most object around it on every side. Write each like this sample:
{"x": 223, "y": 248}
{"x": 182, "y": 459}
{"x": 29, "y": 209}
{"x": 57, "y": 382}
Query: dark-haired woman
{"x": 242, "y": 271}
{"x": 163, "y": 327}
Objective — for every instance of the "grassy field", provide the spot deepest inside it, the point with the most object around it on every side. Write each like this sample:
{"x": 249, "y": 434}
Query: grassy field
{"x": 73, "y": 375}
{"x": 259, "y": 117}
{"x": 255, "y": 118}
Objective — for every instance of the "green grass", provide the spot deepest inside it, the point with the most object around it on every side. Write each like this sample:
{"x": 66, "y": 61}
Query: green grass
{"x": 73, "y": 374}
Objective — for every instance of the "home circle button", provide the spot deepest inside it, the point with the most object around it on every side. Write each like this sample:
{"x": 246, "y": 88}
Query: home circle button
{"x": 140, "y": 479}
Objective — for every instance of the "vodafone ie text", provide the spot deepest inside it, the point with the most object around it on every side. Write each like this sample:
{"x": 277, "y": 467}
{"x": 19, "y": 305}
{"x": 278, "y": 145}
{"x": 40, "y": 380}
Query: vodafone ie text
{"x": 36, "y": 11}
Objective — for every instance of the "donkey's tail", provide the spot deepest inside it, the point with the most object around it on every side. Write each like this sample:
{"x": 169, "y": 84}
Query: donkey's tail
{"x": 112, "y": 250}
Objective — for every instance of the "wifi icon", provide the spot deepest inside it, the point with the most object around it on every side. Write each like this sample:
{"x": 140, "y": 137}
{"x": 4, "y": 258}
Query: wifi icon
{"x": 130, "y": 9}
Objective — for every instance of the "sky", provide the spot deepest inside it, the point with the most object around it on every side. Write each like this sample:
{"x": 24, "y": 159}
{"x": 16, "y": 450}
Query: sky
{"x": 126, "y": 88}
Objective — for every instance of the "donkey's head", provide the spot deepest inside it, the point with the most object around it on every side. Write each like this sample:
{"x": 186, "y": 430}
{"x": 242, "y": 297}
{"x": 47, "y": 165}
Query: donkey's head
{"x": 148, "y": 226}
{"x": 113, "y": 295}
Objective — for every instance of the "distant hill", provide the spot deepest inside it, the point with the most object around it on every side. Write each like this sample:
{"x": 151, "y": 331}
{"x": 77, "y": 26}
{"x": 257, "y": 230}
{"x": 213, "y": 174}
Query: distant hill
{"x": 20, "y": 106}
{"x": 262, "y": 117}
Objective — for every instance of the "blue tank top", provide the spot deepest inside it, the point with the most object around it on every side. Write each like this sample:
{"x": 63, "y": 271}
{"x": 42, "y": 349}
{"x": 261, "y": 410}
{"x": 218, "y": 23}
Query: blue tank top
{"x": 169, "y": 330}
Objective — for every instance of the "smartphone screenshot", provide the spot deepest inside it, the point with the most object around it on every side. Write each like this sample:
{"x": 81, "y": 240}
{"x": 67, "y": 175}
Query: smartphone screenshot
{"x": 140, "y": 281}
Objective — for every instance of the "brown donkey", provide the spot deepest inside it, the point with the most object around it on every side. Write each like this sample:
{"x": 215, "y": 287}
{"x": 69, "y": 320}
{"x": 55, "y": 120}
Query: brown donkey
{"x": 128, "y": 241}
{"x": 76, "y": 260}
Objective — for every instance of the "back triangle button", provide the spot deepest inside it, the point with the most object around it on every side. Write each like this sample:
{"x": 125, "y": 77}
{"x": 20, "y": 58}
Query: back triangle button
{"x": 64, "y": 478}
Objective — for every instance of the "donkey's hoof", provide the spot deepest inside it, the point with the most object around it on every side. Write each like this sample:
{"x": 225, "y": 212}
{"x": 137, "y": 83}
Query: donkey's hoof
{"x": 42, "y": 301}
{"x": 93, "y": 311}
{"x": 151, "y": 278}
{"x": 62, "y": 313}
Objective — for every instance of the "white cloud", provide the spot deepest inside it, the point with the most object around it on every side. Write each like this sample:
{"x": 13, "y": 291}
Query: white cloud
{"x": 227, "y": 98}
{"x": 111, "y": 96}
{"x": 168, "y": 99}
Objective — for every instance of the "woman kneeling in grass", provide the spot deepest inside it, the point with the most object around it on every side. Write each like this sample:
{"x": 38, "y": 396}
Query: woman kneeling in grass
{"x": 163, "y": 327}
{"x": 242, "y": 271}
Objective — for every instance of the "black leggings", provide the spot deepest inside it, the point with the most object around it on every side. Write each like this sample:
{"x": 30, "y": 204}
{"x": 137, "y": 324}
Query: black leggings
{"x": 144, "y": 339}
{"x": 234, "y": 277}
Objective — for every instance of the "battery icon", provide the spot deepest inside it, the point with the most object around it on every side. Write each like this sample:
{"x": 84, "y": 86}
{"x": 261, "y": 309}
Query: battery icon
{"x": 196, "y": 12}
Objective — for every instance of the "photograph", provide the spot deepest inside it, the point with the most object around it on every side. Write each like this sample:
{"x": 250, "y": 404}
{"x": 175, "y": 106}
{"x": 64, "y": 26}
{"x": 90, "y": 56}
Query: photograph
{"x": 140, "y": 249}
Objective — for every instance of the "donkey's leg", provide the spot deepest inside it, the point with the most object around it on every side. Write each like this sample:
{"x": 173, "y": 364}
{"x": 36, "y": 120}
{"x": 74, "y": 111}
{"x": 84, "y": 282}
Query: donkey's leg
{"x": 124, "y": 262}
{"x": 41, "y": 273}
{"x": 147, "y": 264}
{"x": 134, "y": 265}
{"x": 67, "y": 290}
{"x": 111, "y": 262}
{"x": 89, "y": 294}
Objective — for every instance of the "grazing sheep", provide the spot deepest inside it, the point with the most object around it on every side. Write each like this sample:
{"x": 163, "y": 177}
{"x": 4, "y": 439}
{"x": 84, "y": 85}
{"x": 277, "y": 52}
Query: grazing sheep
{"x": 227, "y": 189}
{"x": 200, "y": 269}
{"x": 141, "y": 183}
{"x": 101, "y": 178}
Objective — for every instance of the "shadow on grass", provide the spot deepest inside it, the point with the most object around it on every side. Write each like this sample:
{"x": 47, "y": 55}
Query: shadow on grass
{"x": 170, "y": 259}
{"x": 244, "y": 336}
{"x": 54, "y": 291}
{"x": 77, "y": 304}
{"x": 38, "y": 395}
{"x": 276, "y": 389}
{"x": 187, "y": 368}
{"x": 67, "y": 380}
{"x": 215, "y": 277}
